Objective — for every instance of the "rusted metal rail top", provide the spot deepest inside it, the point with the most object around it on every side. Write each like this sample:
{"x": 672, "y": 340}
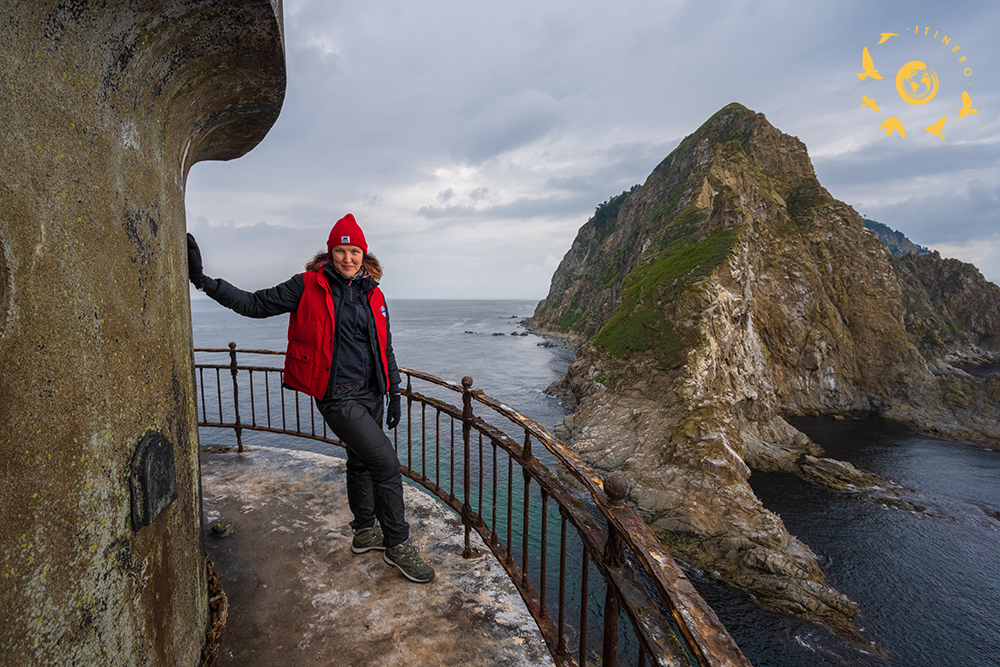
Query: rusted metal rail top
{"x": 666, "y": 620}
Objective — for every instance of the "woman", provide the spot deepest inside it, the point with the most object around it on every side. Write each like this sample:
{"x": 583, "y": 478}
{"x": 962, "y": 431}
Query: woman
{"x": 340, "y": 353}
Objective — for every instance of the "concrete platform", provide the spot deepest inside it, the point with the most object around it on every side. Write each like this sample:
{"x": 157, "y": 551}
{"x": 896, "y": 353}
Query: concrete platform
{"x": 299, "y": 597}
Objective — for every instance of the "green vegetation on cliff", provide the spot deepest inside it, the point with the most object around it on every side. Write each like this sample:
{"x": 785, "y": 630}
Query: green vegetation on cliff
{"x": 606, "y": 213}
{"x": 806, "y": 196}
{"x": 641, "y": 322}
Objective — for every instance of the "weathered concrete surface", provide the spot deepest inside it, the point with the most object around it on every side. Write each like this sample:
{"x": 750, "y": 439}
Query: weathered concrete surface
{"x": 104, "y": 107}
{"x": 299, "y": 597}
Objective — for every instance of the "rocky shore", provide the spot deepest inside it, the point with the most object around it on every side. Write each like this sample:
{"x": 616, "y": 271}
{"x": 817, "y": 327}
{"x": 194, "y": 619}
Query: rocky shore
{"x": 731, "y": 291}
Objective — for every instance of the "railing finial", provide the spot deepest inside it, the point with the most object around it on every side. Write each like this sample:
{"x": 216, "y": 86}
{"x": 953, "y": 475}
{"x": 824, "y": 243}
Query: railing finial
{"x": 616, "y": 488}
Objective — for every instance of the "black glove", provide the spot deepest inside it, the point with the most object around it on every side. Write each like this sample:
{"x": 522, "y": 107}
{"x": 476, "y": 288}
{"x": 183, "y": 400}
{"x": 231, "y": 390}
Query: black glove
{"x": 195, "y": 272}
{"x": 392, "y": 416}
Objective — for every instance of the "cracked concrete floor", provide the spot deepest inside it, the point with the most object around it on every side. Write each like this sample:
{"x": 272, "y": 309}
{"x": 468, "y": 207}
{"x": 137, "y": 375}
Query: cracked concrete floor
{"x": 300, "y": 597}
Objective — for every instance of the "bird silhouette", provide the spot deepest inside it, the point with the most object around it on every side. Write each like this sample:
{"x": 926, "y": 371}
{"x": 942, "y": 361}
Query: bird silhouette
{"x": 886, "y": 35}
{"x": 966, "y": 106}
{"x": 890, "y": 124}
{"x": 868, "y": 65}
{"x": 870, "y": 103}
{"x": 936, "y": 128}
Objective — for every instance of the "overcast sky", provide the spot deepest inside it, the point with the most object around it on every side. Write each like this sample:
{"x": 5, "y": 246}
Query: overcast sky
{"x": 473, "y": 139}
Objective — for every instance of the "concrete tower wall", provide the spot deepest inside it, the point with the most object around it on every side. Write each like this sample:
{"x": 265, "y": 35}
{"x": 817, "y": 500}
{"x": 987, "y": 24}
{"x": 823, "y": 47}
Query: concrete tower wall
{"x": 104, "y": 107}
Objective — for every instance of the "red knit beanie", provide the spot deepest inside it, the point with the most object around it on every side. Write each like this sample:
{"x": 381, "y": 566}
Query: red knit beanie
{"x": 347, "y": 232}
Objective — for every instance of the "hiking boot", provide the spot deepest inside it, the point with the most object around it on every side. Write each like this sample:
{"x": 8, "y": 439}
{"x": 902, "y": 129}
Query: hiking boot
{"x": 405, "y": 557}
{"x": 367, "y": 539}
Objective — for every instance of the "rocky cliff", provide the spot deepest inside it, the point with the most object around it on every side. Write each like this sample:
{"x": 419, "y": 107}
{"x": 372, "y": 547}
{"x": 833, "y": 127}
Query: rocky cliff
{"x": 731, "y": 290}
{"x": 895, "y": 241}
{"x": 952, "y": 311}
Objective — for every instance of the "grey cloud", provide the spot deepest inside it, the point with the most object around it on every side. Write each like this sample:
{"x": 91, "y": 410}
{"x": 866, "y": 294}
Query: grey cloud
{"x": 940, "y": 217}
{"x": 508, "y": 123}
{"x": 524, "y": 208}
{"x": 381, "y": 98}
{"x": 618, "y": 168}
{"x": 254, "y": 256}
{"x": 439, "y": 212}
{"x": 900, "y": 160}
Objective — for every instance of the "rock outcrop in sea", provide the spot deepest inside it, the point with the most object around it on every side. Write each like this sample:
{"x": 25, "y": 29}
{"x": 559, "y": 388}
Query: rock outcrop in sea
{"x": 728, "y": 292}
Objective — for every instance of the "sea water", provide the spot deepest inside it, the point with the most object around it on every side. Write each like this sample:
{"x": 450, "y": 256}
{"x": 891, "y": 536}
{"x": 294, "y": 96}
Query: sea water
{"x": 927, "y": 584}
{"x": 452, "y": 339}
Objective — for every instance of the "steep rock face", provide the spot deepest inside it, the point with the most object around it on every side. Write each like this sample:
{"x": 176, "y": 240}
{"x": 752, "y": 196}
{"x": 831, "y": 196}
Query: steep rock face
{"x": 950, "y": 306}
{"x": 730, "y": 290}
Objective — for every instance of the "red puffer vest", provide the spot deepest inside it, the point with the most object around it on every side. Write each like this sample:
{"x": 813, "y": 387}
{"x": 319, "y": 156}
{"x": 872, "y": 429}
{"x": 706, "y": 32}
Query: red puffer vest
{"x": 311, "y": 329}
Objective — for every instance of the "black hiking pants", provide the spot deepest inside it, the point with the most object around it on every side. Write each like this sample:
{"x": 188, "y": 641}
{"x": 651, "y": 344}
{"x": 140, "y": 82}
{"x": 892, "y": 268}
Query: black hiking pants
{"x": 374, "y": 481}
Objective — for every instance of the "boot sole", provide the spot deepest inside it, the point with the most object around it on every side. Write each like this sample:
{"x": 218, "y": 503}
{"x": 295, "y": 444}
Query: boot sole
{"x": 364, "y": 550}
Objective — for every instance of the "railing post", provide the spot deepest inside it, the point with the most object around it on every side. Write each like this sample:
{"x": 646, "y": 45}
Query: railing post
{"x": 409, "y": 423}
{"x": 526, "y": 519}
{"x": 236, "y": 398}
{"x": 616, "y": 489}
{"x": 466, "y": 441}
{"x": 611, "y": 611}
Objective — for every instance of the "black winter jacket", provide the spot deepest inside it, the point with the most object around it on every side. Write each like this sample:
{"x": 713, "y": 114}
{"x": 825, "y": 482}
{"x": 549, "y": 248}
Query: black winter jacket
{"x": 284, "y": 298}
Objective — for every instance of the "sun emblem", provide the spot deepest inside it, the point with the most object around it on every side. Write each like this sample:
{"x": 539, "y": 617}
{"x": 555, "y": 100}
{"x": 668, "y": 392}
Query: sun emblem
{"x": 916, "y": 82}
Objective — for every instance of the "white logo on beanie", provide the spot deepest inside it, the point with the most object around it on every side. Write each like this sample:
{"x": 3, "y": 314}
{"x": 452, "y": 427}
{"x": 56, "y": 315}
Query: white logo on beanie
{"x": 345, "y": 239}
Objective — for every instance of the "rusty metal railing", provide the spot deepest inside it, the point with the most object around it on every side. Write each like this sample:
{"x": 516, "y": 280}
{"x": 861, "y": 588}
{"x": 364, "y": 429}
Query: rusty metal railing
{"x": 509, "y": 491}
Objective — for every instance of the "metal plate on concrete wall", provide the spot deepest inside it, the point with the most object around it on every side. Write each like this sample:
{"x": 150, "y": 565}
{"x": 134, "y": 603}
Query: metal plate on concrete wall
{"x": 153, "y": 479}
